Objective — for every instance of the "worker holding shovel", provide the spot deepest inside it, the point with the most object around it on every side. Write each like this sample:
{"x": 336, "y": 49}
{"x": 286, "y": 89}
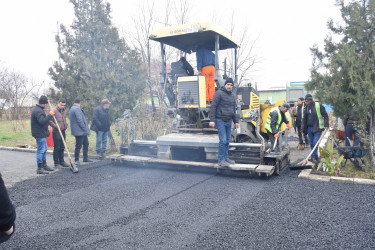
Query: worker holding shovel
{"x": 274, "y": 120}
{"x": 58, "y": 150}
{"x": 315, "y": 121}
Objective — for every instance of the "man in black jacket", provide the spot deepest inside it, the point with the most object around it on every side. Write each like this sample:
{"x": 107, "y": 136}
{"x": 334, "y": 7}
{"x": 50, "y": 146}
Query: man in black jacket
{"x": 315, "y": 120}
{"x": 7, "y": 213}
{"x": 101, "y": 123}
{"x": 39, "y": 130}
{"x": 299, "y": 115}
{"x": 222, "y": 113}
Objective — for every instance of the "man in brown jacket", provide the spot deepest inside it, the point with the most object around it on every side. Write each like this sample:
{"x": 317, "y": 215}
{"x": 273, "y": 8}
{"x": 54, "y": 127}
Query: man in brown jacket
{"x": 58, "y": 150}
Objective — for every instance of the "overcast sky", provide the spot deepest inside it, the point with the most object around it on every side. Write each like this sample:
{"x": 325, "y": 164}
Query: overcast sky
{"x": 286, "y": 30}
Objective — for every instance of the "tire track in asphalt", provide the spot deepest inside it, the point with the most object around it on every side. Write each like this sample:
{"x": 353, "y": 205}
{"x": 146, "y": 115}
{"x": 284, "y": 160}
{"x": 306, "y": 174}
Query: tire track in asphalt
{"x": 142, "y": 212}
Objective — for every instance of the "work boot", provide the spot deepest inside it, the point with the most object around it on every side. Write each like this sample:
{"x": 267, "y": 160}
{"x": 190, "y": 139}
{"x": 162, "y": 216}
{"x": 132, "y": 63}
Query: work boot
{"x": 77, "y": 163}
{"x": 103, "y": 155}
{"x": 41, "y": 170}
{"x": 64, "y": 164}
{"x": 87, "y": 160}
{"x": 57, "y": 166}
{"x": 46, "y": 167}
{"x": 100, "y": 156}
{"x": 223, "y": 163}
{"x": 314, "y": 160}
{"x": 230, "y": 161}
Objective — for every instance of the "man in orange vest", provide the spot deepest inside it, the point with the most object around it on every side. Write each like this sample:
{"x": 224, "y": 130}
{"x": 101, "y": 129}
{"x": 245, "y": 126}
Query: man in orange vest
{"x": 206, "y": 65}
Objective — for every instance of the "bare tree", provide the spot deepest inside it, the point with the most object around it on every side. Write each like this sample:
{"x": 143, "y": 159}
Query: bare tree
{"x": 145, "y": 23}
{"x": 14, "y": 89}
{"x": 246, "y": 56}
{"x": 182, "y": 11}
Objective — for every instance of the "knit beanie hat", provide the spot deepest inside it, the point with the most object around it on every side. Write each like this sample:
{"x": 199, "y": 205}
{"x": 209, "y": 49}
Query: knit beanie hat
{"x": 229, "y": 80}
{"x": 43, "y": 99}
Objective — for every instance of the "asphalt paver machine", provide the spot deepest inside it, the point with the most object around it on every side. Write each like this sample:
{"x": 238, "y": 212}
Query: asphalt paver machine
{"x": 192, "y": 142}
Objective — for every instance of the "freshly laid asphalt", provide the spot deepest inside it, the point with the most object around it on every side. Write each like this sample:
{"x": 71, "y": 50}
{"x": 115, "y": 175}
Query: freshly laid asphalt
{"x": 108, "y": 206}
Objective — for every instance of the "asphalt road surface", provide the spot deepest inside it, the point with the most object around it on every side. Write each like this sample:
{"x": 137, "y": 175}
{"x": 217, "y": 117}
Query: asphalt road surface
{"x": 108, "y": 206}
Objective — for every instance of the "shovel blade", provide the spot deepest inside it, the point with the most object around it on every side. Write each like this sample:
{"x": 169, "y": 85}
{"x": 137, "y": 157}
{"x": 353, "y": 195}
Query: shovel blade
{"x": 73, "y": 168}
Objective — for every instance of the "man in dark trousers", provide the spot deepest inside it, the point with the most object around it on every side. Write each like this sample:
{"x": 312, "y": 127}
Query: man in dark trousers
{"x": 58, "y": 150}
{"x": 222, "y": 113}
{"x": 39, "y": 130}
{"x": 274, "y": 120}
{"x": 80, "y": 129}
{"x": 7, "y": 213}
{"x": 101, "y": 122}
{"x": 315, "y": 120}
{"x": 299, "y": 115}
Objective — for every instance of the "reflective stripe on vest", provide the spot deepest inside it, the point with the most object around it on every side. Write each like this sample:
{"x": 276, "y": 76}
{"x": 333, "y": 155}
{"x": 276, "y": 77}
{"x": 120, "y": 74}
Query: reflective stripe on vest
{"x": 320, "y": 117}
{"x": 268, "y": 122}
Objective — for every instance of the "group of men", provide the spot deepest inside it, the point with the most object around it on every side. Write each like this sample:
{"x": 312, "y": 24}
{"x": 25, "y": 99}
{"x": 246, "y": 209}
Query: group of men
{"x": 101, "y": 123}
{"x": 311, "y": 120}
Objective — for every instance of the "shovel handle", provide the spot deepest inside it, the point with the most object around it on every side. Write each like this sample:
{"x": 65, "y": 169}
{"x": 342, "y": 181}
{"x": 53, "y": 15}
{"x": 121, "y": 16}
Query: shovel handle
{"x": 320, "y": 139}
{"x": 62, "y": 137}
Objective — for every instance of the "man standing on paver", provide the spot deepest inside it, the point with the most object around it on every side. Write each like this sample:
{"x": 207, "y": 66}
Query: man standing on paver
{"x": 101, "y": 122}
{"x": 206, "y": 65}
{"x": 315, "y": 120}
{"x": 39, "y": 130}
{"x": 274, "y": 120}
{"x": 80, "y": 129}
{"x": 58, "y": 150}
{"x": 222, "y": 113}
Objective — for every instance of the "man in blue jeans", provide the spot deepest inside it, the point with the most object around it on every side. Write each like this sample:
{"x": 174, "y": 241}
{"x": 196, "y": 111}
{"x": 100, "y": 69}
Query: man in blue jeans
{"x": 39, "y": 130}
{"x": 315, "y": 120}
{"x": 222, "y": 113}
{"x": 101, "y": 122}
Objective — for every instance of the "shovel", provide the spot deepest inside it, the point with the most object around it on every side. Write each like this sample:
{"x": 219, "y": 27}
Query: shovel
{"x": 306, "y": 160}
{"x": 72, "y": 166}
{"x": 274, "y": 145}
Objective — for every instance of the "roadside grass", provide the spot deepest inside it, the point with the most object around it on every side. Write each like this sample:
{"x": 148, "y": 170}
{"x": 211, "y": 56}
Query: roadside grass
{"x": 12, "y": 134}
{"x": 350, "y": 170}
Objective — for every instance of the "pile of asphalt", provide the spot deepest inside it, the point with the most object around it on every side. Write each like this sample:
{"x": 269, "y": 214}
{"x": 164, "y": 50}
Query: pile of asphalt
{"x": 108, "y": 206}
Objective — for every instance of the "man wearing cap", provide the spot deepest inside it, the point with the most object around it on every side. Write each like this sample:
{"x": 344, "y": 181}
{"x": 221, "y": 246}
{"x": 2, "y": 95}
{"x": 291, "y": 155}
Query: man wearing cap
{"x": 274, "y": 120}
{"x": 222, "y": 113}
{"x": 298, "y": 113}
{"x": 206, "y": 65}
{"x": 39, "y": 130}
{"x": 79, "y": 129}
{"x": 101, "y": 122}
{"x": 58, "y": 149}
{"x": 315, "y": 120}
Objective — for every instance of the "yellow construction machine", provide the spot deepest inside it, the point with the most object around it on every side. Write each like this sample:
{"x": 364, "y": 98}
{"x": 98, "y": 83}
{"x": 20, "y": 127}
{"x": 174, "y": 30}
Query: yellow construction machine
{"x": 193, "y": 142}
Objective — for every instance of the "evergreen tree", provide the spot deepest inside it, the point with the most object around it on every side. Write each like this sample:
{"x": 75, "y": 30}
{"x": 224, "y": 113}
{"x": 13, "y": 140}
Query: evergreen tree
{"x": 344, "y": 73}
{"x": 95, "y": 63}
